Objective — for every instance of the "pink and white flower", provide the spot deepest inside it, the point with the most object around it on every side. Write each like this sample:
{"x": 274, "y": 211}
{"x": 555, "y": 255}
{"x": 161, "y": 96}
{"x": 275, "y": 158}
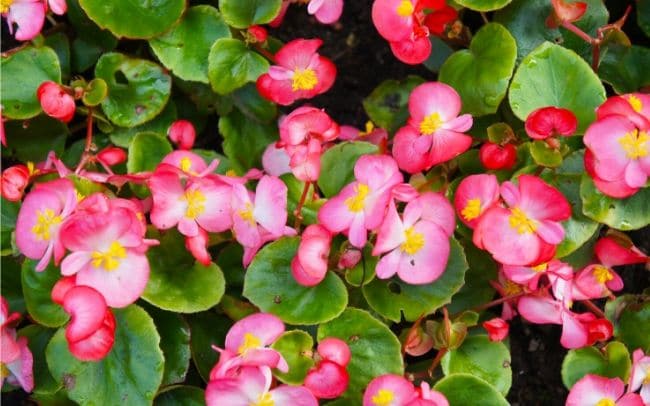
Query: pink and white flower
{"x": 395, "y": 390}
{"x": 28, "y": 15}
{"x": 329, "y": 378}
{"x": 55, "y": 101}
{"x": 325, "y": 11}
{"x": 16, "y": 359}
{"x": 594, "y": 390}
{"x": 640, "y": 375}
{"x": 310, "y": 264}
{"x": 474, "y": 195}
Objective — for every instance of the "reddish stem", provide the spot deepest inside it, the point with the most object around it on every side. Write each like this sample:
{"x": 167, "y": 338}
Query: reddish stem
{"x": 297, "y": 213}
{"x": 86, "y": 156}
{"x": 265, "y": 52}
{"x": 436, "y": 361}
{"x": 496, "y": 302}
{"x": 594, "y": 309}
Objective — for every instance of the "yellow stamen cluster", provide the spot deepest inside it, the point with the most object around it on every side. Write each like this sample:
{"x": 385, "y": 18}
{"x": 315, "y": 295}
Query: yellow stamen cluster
{"x": 195, "y": 203}
{"x": 304, "y": 79}
{"x": 247, "y": 214}
{"x": 540, "y": 267}
{"x": 45, "y": 219}
{"x": 606, "y": 402}
{"x": 109, "y": 260}
{"x": 251, "y": 341}
{"x": 636, "y": 103}
{"x": 405, "y": 8}
{"x": 602, "y": 274}
{"x": 634, "y": 144}
{"x": 510, "y": 288}
{"x": 472, "y": 210}
{"x": 384, "y": 397}
{"x": 431, "y": 124}
{"x": 370, "y": 127}
{"x": 414, "y": 241}
{"x": 520, "y": 222}
{"x": 265, "y": 399}
{"x": 357, "y": 202}
{"x": 4, "y": 5}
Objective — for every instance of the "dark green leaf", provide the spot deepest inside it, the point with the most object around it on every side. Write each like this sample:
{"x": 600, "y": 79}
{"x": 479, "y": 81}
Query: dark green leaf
{"x": 296, "y": 348}
{"x": 244, "y": 13}
{"x": 387, "y": 105}
{"x": 231, "y": 65}
{"x": 37, "y": 287}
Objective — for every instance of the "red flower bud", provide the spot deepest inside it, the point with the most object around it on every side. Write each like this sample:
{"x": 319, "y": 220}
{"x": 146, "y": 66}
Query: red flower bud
{"x": 497, "y": 329}
{"x": 494, "y": 156}
{"x": 599, "y": 330}
{"x": 550, "y": 121}
{"x": 55, "y": 101}
{"x": 112, "y": 156}
{"x": 258, "y": 33}
{"x": 14, "y": 181}
{"x": 182, "y": 134}
{"x": 564, "y": 12}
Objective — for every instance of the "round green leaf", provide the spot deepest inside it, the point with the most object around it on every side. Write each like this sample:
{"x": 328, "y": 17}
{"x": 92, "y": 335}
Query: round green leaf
{"x": 375, "y": 349}
{"x": 482, "y": 358}
{"x": 270, "y": 286}
{"x": 544, "y": 155}
{"x": 37, "y": 339}
{"x": 633, "y": 327}
{"x": 22, "y": 73}
{"x": 185, "y": 48}
{"x": 174, "y": 343}
{"x": 123, "y": 136}
{"x": 95, "y": 93}
{"x": 35, "y": 141}
{"x": 130, "y": 373}
{"x": 296, "y": 347}
{"x": 244, "y": 13}
{"x": 177, "y": 283}
{"x": 477, "y": 289}
{"x": 391, "y": 298}
{"x": 37, "y": 287}
{"x": 483, "y": 5}
{"x": 231, "y": 65}
{"x": 134, "y": 18}
{"x": 138, "y": 89}
{"x": 631, "y": 213}
{"x": 337, "y": 165}
{"x": 206, "y": 329}
{"x": 387, "y": 105}
{"x": 466, "y": 389}
{"x": 146, "y": 151}
{"x": 555, "y": 76}
{"x": 622, "y": 68}
{"x": 613, "y": 361}
{"x": 249, "y": 101}
{"x": 481, "y": 73}
{"x": 245, "y": 140}
{"x": 181, "y": 396}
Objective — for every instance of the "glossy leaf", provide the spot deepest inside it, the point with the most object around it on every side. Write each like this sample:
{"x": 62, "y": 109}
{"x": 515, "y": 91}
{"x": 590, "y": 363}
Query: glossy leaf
{"x": 633, "y": 326}
{"x": 231, "y": 65}
{"x": 544, "y": 155}
{"x": 34, "y": 141}
{"x": 476, "y": 289}
{"x": 612, "y": 361}
{"x": 296, "y": 348}
{"x": 174, "y": 343}
{"x": 206, "y": 329}
{"x": 622, "y": 67}
{"x": 11, "y": 284}
{"x": 180, "y": 396}
{"x": 337, "y": 165}
{"x": 244, "y": 13}
{"x": 123, "y": 136}
{"x": 465, "y": 389}
{"x": 483, "y": 5}
{"x": 37, "y": 339}
{"x": 36, "y": 290}
{"x": 248, "y": 101}
{"x": 387, "y": 105}
{"x": 95, "y": 93}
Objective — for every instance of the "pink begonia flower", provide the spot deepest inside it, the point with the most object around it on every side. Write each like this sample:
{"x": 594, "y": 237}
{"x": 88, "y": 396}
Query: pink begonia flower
{"x": 528, "y": 231}
{"x": 275, "y": 161}
{"x": 198, "y": 247}
{"x": 370, "y": 133}
{"x": 107, "y": 252}
{"x": 474, "y": 195}
{"x": 360, "y": 206}
{"x": 594, "y": 390}
{"x": 253, "y": 387}
{"x": 304, "y": 123}
{"x": 620, "y": 149}
{"x": 640, "y": 375}
{"x": 616, "y": 188}
{"x": 417, "y": 245}
{"x": 58, "y": 7}
{"x": 305, "y": 160}
{"x": 14, "y": 181}
{"x": 300, "y": 73}
{"x": 16, "y": 359}
{"x": 182, "y": 133}
{"x": 310, "y": 264}
{"x": 335, "y": 350}
{"x": 190, "y": 164}
{"x": 257, "y": 34}
{"x": 633, "y": 106}
{"x": 434, "y": 133}
{"x": 530, "y": 275}
{"x": 55, "y": 101}
{"x": 506, "y": 288}
{"x": 247, "y": 344}
{"x": 395, "y": 390}
{"x": 91, "y": 331}
{"x": 112, "y": 156}
{"x": 29, "y": 15}
{"x": 610, "y": 253}
{"x": 329, "y": 378}
{"x": 325, "y": 11}
{"x": 565, "y": 12}
{"x": 497, "y": 329}
{"x": 550, "y": 121}
{"x": 39, "y": 219}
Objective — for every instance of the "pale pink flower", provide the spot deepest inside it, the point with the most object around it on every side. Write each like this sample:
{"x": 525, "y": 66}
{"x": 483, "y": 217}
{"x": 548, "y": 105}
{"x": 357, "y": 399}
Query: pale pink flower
{"x": 594, "y": 390}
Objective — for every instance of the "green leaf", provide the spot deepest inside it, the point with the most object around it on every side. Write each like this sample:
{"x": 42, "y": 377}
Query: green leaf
{"x": 631, "y": 213}
{"x": 622, "y": 68}
{"x": 296, "y": 347}
{"x": 465, "y": 389}
{"x": 61, "y": 45}
{"x": 482, "y": 358}
{"x": 32, "y": 142}
{"x": 8, "y": 224}
{"x": 140, "y": 19}
{"x": 244, "y": 13}
{"x": 177, "y": 283}
{"x": 555, "y": 76}
{"x": 545, "y": 155}
{"x": 123, "y": 136}
{"x": 310, "y": 207}
{"x": 37, "y": 339}
{"x": 146, "y": 151}
{"x": 375, "y": 349}
{"x": 181, "y": 396}
{"x": 206, "y": 329}
{"x": 477, "y": 289}
{"x": 387, "y": 105}
{"x": 244, "y": 140}
{"x": 22, "y": 74}
{"x": 643, "y": 15}
{"x": 174, "y": 343}
{"x": 231, "y": 65}
{"x": 95, "y": 93}
{"x": 37, "y": 287}
{"x": 337, "y": 165}
{"x": 85, "y": 28}
{"x": 364, "y": 271}
{"x": 185, "y": 48}
{"x": 481, "y": 73}
{"x": 391, "y": 298}
{"x": 612, "y": 361}
{"x": 11, "y": 285}
{"x": 483, "y": 5}
{"x": 138, "y": 89}
{"x": 633, "y": 327}
{"x": 129, "y": 374}
{"x": 270, "y": 286}
{"x": 248, "y": 101}
{"x": 440, "y": 51}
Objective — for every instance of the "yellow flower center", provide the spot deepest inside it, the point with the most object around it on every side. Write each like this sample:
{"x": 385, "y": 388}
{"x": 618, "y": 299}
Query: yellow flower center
{"x": 31, "y": 168}
{"x": 606, "y": 402}
{"x": 540, "y": 267}
{"x": 110, "y": 259}
{"x": 602, "y": 274}
{"x": 357, "y": 202}
{"x": 431, "y": 124}
{"x": 472, "y": 210}
{"x": 370, "y": 127}
{"x": 634, "y": 144}
{"x": 231, "y": 173}
{"x": 384, "y": 397}
{"x": 265, "y": 399}
{"x": 186, "y": 164}
{"x": 405, "y": 8}
{"x": 4, "y": 5}
{"x": 247, "y": 214}
{"x": 414, "y": 241}
{"x": 250, "y": 342}
{"x": 520, "y": 222}
{"x": 636, "y": 103}
{"x": 646, "y": 380}
{"x": 304, "y": 79}
{"x": 510, "y": 288}
{"x": 195, "y": 203}
{"x": 44, "y": 221}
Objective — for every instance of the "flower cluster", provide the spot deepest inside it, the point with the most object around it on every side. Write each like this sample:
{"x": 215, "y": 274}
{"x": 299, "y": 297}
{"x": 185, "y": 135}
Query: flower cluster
{"x": 29, "y": 15}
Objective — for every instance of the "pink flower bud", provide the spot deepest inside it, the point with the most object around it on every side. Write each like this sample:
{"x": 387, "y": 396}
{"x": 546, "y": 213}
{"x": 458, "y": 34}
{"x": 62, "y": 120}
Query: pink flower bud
{"x": 418, "y": 342}
{"x": 61, "y": 287}
{"x": 182, "y": 134}
{"x": 565, "y": 12}
{"x": 494, "y": 156}
{"x": 550, "y": 121}
{"x": 258, "y": 33}
{"x": 349, "y": 259}
{"x": 55, "y": 101}
{"x": 14, "y": 181}
{"x": 497, "y": 329}
{"x": 335, "y": 350}
{"x": 327, "y": 380}
{"x": 112, "y": 156}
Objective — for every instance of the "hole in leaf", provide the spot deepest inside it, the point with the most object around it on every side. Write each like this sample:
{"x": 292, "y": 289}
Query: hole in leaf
{"x": 120, "y": 78}
{"x": 394, "y": 287}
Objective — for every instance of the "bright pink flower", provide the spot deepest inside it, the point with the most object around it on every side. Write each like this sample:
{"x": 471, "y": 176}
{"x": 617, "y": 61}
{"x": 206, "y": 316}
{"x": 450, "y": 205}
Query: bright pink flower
{"x": 55, "y": 101}
{"x": 428, "y": 397}
{"x": 186, "y": 164}
{"x": 594, "y": 390}
{"x": 550, "y": 121}
{"x": 335, "y": 350}
{"x": 389, "y": 390}
{"x": 275, "y": 161}
{"x": 247, "y": 344}
{"x": 495, "y": 156}
{"x": 258, "y": 33}
{"x": 434, "y": 133}
{"x": 530, "y": 275}
{"x": 91, "y": 331}
{"x": 564, "y": 12}
{"x": 599, "y": 330}
{"x": 633, "y": 106}
{"x": 39, "y": 220}
{"x": 610, "y": 252}
{"x": 371, "y": 134}
{"x": 252, "y": 387}
{"x": 14, "y": 181}
{"x": 15, "y": 357}
{"x": 640, "y": 374}
{"x": 107, "y": 253}
{"x": 528, "y": 231}
{"x": 58, "y": 7}
{"x": 305, "y": 123}
{"x": 182, "y": 133}
{"x": 474, "y": 195}
{"x": 325, "y": 11}
{"x": 596, "y": 281}
{"x": 309, "y": 266}
{"x": 300, "y": 73}
{"x": 327, "y": 380}
{"x": 361, "y": 205}
{"x": 417, "y": 245}
{"x": 112, "y": 156}
{"x": 198, "y": 247}
{"x": 620, "y": 149}
{"x": 615, "y": 188}
{"x": 497, "y": 329}
{"x": 29, "y": 15}
{"x": 305, "y": 160}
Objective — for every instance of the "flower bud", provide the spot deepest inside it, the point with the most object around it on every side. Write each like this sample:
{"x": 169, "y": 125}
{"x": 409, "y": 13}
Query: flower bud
{"x": 494, "y": 156}
{"x": 497, "y": 329}
{"x": 258, "y": 33}
{"x": 14, "y": 181}
{"x": 182, "y": 134}
{"x": 55, "y": 101}
{"x": 112, "y": 156}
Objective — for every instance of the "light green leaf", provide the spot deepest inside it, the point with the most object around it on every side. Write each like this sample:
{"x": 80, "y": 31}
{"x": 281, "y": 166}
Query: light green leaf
{"x": 231, "y": 65}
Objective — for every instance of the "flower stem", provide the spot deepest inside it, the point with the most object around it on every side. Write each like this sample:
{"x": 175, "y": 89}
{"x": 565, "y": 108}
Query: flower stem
{"x": 297, "y": 213}
{"x": 594, "y": 309}
{"x": 434, "y": 364}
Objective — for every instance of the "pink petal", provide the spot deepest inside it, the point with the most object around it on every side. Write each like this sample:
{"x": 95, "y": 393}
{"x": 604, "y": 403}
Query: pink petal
{"x": 87, "y": 309}
{"x": 435, "y": 97}
{"x": 357, "y": 233}
{"x": 635, "y": 177}
{"x": 400, "y": 388}
{"x": 335, "y": 350}
{"x": 270, "y": 204}
{"x": 335, "y": 214}
{"x": 540, "y": 310}
{"x": 97, "y": 345}
{"x": 542, "y": 201}
{"x": 22, "y": 367}
{"x": 168, "y": 206}
{"x": 574, "y": 333}
{"x": 327, "y": 380}
{"x": 410, "y": 149}
{"x": 592, "y": 388}
{"x": 483, "y": 187}
{"x": 216, "y": 215}
{"x": 602, "y": 138}
{"x": 264, "y": 326}
{"x": 29, "y": 16}
{"x": 437, "y": 209}
{"x": 610, "y": 253}
{"x": 275, "y": 161}
{"x": 447, "y": 145}
{"x": 388, "y": 22}
{"x": 293, "y": 395}
{"x": 430, "y": 261}
{"x": 550, "y": 231}
{"x": 411, "y": 50}
{"x": 391, "y": 233}
{"x": 388, "y": 265}
{"x": 329, "y": 12}
{"x": 297, "y": 53}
